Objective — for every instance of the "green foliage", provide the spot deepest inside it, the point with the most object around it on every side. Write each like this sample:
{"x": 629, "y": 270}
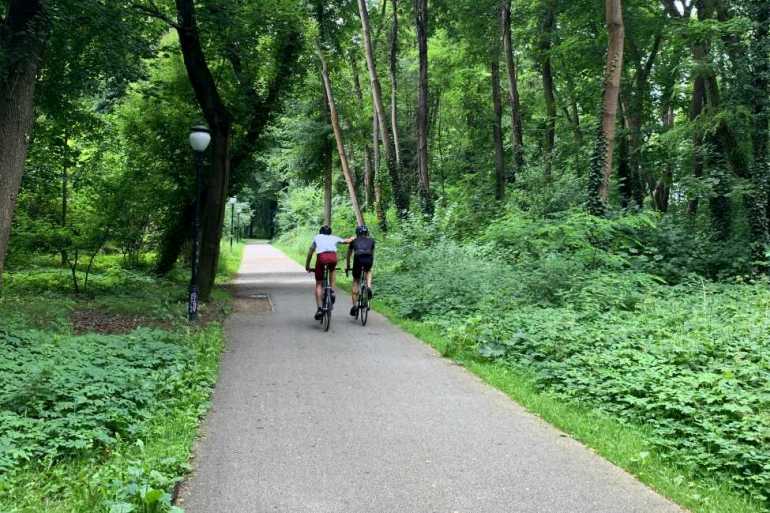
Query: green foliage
{"x": 101, "y": 422}
{"x": 65, "y": 395}
{"x": 136, "y": 471}
{"x": 582, "y": 304}
{"x": 691, "y": 364}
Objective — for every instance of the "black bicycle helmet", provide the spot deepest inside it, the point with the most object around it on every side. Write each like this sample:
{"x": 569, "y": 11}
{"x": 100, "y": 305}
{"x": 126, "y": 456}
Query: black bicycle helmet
{"x": 362, "y": 230}
{"x": 326, "y": 230}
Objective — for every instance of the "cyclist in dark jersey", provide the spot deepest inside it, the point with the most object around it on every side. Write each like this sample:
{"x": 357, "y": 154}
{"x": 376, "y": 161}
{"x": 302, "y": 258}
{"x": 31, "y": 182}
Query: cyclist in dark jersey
{"x": 363, "y": 248}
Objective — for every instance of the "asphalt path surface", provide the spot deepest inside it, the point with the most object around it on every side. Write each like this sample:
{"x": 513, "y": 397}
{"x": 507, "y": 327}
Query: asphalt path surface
{"x": 369, "y": 419}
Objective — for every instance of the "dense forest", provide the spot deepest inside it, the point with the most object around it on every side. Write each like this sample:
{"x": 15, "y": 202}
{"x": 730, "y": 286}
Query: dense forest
{"x": 574, "y": 190}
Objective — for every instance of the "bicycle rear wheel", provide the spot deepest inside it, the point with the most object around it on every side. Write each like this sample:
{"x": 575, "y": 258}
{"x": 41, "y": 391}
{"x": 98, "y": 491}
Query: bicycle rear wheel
{"x": 326, "y": 320}
{"x": 363, "y": 305}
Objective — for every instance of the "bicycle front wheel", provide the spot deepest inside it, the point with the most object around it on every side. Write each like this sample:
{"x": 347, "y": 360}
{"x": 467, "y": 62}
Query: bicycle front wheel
{"x": 326, "y": 320}
{"x": 364, "y": 315}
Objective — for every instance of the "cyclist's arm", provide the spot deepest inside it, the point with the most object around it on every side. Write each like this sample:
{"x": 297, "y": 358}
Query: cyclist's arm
{"x": 350, "y": 252}
{"x": 309, "y": 255}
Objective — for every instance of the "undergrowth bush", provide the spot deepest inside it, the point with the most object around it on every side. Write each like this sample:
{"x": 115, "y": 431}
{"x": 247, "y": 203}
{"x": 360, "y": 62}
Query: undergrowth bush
{"x": 96, "y": 422}
{"x": 62, "y": 395}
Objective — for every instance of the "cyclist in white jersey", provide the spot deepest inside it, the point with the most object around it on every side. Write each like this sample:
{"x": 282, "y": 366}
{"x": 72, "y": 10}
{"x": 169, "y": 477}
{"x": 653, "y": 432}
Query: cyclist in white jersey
{"x": 325, "y": 247}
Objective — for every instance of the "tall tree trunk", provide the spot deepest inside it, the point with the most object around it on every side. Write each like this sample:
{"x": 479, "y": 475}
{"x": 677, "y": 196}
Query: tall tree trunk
{"x": 497, "y": 129}
{"x": 696, "y": 109}
{"x": 706, "y": 98}
{"x": 517, "y": 131}
{"x": 220, "y": 123}
{"x": 368, "y": 195}
{"x": 575, "y": 120}
{"x": 400, "y": 197}
{"x": 393, "y": 71}
{"x": 546, "y": 44}
{"x": 338, "y": 137}
{"x": 635, "y": 110}
{"x": 23, "y": 36}
{"x": 379, "y": 199}
{"x": 368, "y": 200}
{"x": 662, "y": 190}
{"x": 760, "y": 56}
{"x": 601, "y": 162}
{"x": 423, "y": 174}
{"x": 625, "y": 177}
{"x": 635, "y": 142}
{"x": 720, "y": 139}
{"x": 64, "y": 193}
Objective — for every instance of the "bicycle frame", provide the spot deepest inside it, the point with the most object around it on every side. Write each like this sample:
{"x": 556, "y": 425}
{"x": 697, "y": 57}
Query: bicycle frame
{"x": 327, "y": 289}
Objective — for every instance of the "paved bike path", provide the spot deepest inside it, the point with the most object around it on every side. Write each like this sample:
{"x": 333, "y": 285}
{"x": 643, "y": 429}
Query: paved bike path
{"x": 370, "y": 420}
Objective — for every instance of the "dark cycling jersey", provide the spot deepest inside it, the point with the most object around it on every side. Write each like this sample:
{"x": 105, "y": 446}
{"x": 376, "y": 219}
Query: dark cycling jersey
{"x": 362, "y": 246}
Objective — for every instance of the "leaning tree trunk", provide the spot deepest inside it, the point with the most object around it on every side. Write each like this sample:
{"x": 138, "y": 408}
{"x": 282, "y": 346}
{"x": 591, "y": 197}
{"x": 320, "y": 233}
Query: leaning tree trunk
{"x": 220, "y": 123}
{"x": 601, "y": 161}
{"x": 338, "y": 137}
{"x": 400, "y": 197}
{"x": 327, "y": 163}
{"x": 546, "y": 44}
{"x": 426, "y": 199}
{"x": 517, "y": 131}
{"x": 23, "y": 35}
{"x": 497, "y": 129}
{"x": 175, "y": 235}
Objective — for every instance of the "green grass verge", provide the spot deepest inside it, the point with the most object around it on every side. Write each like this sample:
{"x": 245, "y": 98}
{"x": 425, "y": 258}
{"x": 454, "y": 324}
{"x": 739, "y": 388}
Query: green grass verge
{"x": 621, "y": 443}
{"x": 230, "y": 260}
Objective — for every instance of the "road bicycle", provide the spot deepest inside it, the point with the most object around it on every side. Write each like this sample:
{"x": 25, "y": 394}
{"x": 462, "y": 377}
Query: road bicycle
{"x": 363, "y": 305}
{"x": 327, "y": 303}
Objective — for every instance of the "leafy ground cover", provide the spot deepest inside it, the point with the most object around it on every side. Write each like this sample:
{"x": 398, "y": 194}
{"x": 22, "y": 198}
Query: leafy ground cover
{"x": 101, "y": 416}
{"x": 666, "y": 374}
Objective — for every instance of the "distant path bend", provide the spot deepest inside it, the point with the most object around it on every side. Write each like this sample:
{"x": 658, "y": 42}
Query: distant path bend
{"x": 370, "y": 420}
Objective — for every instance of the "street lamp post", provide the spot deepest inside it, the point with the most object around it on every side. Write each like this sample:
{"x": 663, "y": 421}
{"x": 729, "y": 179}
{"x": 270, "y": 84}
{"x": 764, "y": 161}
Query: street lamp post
{"x": 200, "y": 137}
{"x": 232, "y": 202}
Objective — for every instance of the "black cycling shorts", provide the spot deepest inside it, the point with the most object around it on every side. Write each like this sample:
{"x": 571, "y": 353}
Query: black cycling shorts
{"x": 361, "y": 264}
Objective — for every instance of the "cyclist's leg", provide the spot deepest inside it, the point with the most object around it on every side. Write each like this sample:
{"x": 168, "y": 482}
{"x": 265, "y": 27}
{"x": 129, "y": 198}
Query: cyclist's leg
{"x": 356, "y": 277}
{"x": 368, "y": 270}
{"x": 319, "y": 276}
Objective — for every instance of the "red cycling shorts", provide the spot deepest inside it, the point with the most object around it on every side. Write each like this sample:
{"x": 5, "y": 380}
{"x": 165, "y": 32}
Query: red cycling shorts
{"x": 327, "y": 259}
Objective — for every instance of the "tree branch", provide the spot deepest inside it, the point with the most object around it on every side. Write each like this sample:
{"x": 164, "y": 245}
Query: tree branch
{"x": 670, "y": 7}
{"x": 647, "y": 69}
{"x": 287, "y": 55}
{"x": 382, "y": 22}
{"x": 153, "y": 11}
